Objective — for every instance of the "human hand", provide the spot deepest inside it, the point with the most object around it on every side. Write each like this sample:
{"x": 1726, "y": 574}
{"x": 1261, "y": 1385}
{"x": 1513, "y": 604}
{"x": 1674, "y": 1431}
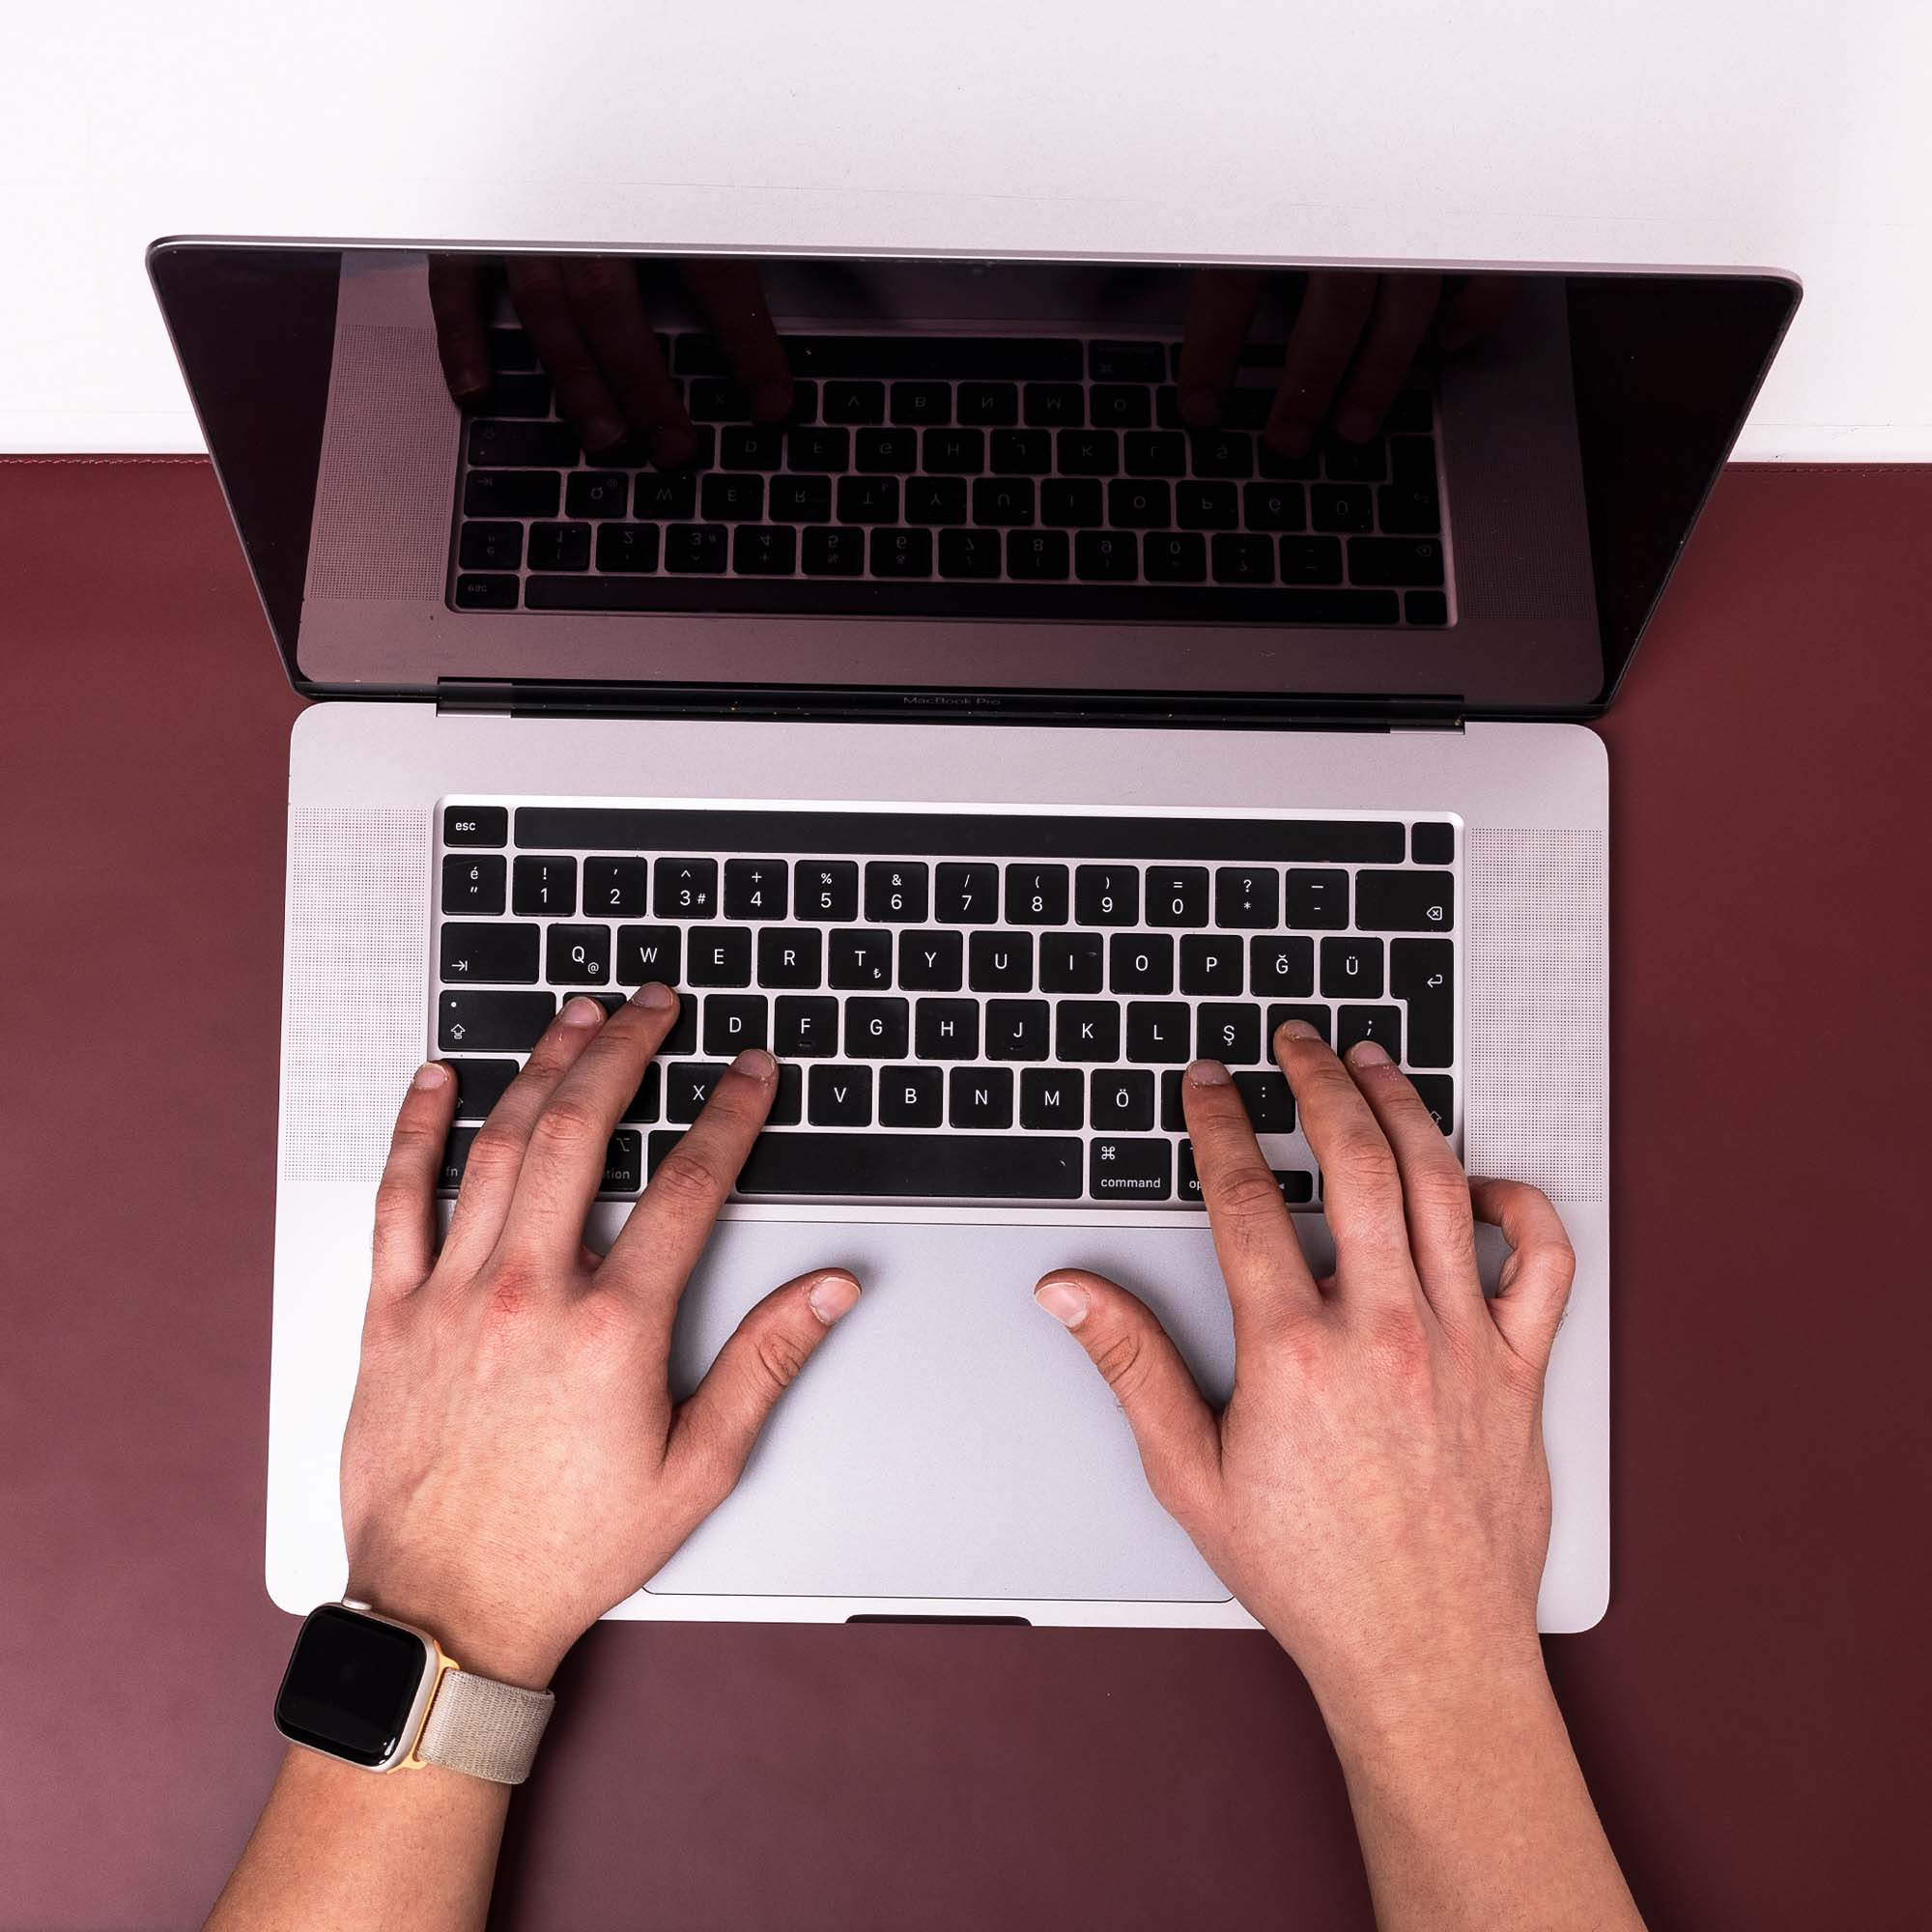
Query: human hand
{"x": 586, "y": 317}
{"x": 1375, "y": 1491}
{"x": 514, "y": 1464}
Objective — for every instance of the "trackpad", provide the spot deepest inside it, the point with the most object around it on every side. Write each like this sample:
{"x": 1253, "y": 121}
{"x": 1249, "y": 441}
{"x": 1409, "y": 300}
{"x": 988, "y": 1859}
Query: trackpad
{"x": 948, "y": 1439}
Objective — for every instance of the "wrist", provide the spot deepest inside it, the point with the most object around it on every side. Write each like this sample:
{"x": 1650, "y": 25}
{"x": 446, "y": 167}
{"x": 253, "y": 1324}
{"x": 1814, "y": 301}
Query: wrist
{"x": 1401, "y": 1712}
{"x": 493, "y": 1639}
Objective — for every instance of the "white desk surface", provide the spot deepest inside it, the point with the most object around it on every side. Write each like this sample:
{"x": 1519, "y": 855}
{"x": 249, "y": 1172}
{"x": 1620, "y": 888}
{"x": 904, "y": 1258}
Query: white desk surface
{"x": 1789, "y": 133}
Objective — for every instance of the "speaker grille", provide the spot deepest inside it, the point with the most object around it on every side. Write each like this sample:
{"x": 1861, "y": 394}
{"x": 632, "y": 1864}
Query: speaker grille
{"x": 356, "y": 989}
{"x": 1538, "y": 1048}
{"x": 382, "y": 521}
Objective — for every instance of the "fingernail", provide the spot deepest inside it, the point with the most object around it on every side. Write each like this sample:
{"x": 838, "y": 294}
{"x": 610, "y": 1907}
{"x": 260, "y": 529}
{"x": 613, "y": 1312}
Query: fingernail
{"x": 1297, "y": 1029}
{"x": 1292, "y": 439}
{"x": 431, "y": 1073}
{"x": 1067, "y": 1301}
{"x": 1208, "y": 1073}
{"x": 1356, "y": 424}
{"x": 1366, "y": 1053}
{"x": 1200, "y": 405}
{"x": 654, "y": 993}
{"x": 771, "y": 400}
{"x": 672, "y": 448}
{"x": 755, "y": 1063}
{"x": 601, "y": 432}
{"x": 581, "y": 1012}
{"x": 832, "y": 1295}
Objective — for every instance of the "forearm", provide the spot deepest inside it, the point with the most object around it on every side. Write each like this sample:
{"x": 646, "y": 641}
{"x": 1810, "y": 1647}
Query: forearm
{"x": 1473, "y": 1814}
{"x": 338, "y": 1847}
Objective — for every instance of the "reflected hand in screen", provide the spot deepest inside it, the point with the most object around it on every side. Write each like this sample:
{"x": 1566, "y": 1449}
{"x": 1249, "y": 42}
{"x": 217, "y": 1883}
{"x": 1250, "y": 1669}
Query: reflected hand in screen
{"x": 586, "y": 320}
{"x": 1354, "y": 340}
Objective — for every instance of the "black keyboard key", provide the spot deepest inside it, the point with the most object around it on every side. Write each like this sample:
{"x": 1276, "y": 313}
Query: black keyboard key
{"x": 623, "y": 1163}
{"x": 1318, "y": 1018}
{"x": 688, "y": 1087}
{"x": 1003, "y": 502}
{"x": 1155, "y": 452}
{"x": 861, "y": 961}
{"x": 790, "y": 956}
{"x": 805, "y": 1028}
{"x": 480, "y": 1084}
{"x": 1395, "y": 560}
{"x": 752, "y": 446}
{"x": 922, "y": 402}
{"x": 1037, "y": 556}
{"x": 947, "y": 1029}
{"x": 1431, "y": 843}
{"x": 967, "y": 895}
{"x": 1157, "y": 1033}
{"x": 1051, "y": 1100}
{"x": 827, "y": 452}
{"x": 1120, "y": 406}
{"x": 1310, "y": 560}
{"x": 665, "y": 498}
{"x": 896, "y": 890}
{"x": 905, "y": 1167}
{"x": 911, "y": 1097}
{"x": 1137, "y": 1170}
{"x": 544, "y": 886}
{"x": 522, "y": 445}
{"x": 952, "y": 452}
{"x": 756, "y": 888}
{"x": 1274, "y": 507}
{"x": 1070, "y": 962}
{"x": 577, "y": 956}
{"x": 869, "y": 499}
{"x": 683, "y": 1035}
{"x": 1283, "y": 967}
{"x": 1018, "y": 1028}
{"x": 1230, "y": 1032}
{"x": 1106, "y": 894}
{"x": 684, "y": 888}
{"x": 1222, "y": 452}
{"x": 1173, "y": 1115}
{"x": 1000, "y": 962}
{"x": 1423, "y": 973}
{"x": 845, "y": 401}
{"x": 721, "y": 956}
{"x": 1380, "y": 1024}
{"x": 712, "y": 400}
{"x": 1210, "y": 964}
{"x": 878, "y": 1028}
{"x": 735, "y": 1021}
{"x": 649, "y": 952}
{"x": 1314, "y": 902}
{"x": 801, "y": 499}
{"x": 476, "y": 591}
{"x": 1021, "y": 452}
{"x": 511, "y": 349}
{"x": 1067, "y": 504}
{"x": 1140, "y": 963}
{"x": 1107, "y": 556}
{"x": 727, "y": 499}
{"x": 1406, "y": 901}
{"x": 1134, "y": 504}
{"x": 1206, "y": 507}
{"x": 1054, "y": 404}
{"x": 1174, "y": 558}
{"x": 471, "y": 1020}
{"x": 492, "y": 951}
{"x": 1126, "y": 362}
{"x": 1122, "y": 1102}
{"x": 1351, "y": 969}
{"x": 1036, "y": 895}
{"x": 968, "y": 553}
{"x": 1178, "y": 896}
{"x": 993, "y": 405}
{"x": 483, "y": 825}
{"x": 886, "y": 452}
{"x": 902, "y": 553}
{"x": 764, "y": 550}
{"x": 1438, "y": 1093}
{"x": 788, "y": 1101}
{"x": 1340, "y": 507}
{"x": 696, "y": 549}
{"x": 597, "y": 493}
{"x": 510, "y": 493}
{"x": 833, "y": 551}
{"x": 627, "y": 546}
{"x": 1088, "y": 453}
{"x": 1242, "y": 559}
{"x": 455, "y": 1158}
{"x": 935, "y": 499}
{"x": 979, "y": 1096}
{"x": 491, "y": 545}
{"x": 1087, "y": 1031}
{"x": 1269, "y": 1101}
{"x": 1345, "y": 462}
{"x": 1405, "y": 510}
{"x": 828, "y": 889}
{"x": 1247, "y": 897}
{"x": 472, "y": 885}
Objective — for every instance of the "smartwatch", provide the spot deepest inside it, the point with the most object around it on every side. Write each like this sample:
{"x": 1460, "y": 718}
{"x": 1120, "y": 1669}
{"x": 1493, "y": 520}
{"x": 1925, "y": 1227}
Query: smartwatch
{"x": 381, "y": 1694}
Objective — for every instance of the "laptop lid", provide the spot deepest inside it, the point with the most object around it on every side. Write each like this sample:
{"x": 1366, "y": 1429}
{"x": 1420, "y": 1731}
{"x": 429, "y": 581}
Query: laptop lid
{"x": 951, "y": 485}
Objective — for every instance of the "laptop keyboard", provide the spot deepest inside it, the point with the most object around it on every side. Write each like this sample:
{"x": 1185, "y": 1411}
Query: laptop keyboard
{"x": 953, "y": 476}
{"x": 1003, "y": 1020}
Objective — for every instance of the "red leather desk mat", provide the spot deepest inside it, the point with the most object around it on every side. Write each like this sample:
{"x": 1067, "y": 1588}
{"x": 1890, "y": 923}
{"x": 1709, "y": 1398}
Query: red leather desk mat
{"x": 1751, "y": 1714}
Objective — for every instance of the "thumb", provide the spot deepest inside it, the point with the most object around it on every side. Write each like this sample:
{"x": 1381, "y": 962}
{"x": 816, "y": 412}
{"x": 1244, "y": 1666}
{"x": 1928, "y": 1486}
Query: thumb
{"x": 1535, "y": 1285}
{"x": 716, "y": 1423}
{"x": 1175, "y": 1430}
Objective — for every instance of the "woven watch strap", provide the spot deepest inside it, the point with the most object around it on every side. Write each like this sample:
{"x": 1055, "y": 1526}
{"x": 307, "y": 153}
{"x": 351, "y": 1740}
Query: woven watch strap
{"x": 488, "y": 1729}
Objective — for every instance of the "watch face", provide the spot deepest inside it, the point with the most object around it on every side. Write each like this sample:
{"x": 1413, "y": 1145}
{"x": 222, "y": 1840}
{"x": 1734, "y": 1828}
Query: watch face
{"x": 350, "y": 1685}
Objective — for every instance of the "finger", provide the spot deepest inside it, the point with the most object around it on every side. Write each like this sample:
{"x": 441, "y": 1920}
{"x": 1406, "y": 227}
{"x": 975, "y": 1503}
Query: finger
{"x": 570, "y": 1139}
{"x": 1221, "y": 305}
{"x": 1535, "y": 1287}
{"x": 660, "y": 1242}
{"x": 1321, "y": 345}
{"x": 496, "y": 1155}
{"x": 462, "y": 344}
{"x": 730, "y": 294}
{"x": 717, "y": 1425}
{"x": 1361, "y": 1188}
{"x": 1174, "y": 1428}
{"x": 1254, "y": 1235}
{"x": 1435, "y": 1192}
{"x": 1404, "y": 307}
{"x": 405, "y": 1196}
{"x": 536, "y": 288}
{"x": 609, "y": 311}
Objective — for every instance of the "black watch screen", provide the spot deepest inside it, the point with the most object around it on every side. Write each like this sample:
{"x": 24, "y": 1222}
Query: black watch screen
{"x": 350, "y": 1685}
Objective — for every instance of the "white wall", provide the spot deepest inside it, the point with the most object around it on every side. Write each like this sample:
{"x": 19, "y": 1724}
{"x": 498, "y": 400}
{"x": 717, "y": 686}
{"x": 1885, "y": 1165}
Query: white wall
{"x": 1785, "y": 133}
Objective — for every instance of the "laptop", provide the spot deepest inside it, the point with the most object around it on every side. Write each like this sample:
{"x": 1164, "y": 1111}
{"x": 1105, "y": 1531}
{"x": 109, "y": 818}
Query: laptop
{"x": 987, "y": 683}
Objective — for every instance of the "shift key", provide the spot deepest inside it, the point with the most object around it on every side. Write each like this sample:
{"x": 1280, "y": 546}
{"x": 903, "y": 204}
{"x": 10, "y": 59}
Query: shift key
{"x": 469, "y": 1020}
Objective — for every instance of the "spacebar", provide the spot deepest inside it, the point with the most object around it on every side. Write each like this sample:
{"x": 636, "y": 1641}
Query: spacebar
{"x": 946, "y": 1167}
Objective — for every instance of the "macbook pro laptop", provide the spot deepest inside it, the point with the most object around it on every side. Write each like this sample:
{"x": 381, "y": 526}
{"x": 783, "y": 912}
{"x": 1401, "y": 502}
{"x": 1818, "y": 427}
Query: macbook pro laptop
{"x": 988, "y": 684}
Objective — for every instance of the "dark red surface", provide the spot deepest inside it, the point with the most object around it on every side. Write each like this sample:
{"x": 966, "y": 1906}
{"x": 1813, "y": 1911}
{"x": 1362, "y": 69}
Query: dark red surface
{"x": 1752, "y": 1715}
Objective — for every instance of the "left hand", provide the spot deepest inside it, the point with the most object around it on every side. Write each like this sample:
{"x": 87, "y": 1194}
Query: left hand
{"x": 514, "y": 1464}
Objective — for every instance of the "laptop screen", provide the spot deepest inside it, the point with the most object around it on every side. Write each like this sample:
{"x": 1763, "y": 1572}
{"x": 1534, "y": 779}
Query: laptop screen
{"x": 863, "y": 483}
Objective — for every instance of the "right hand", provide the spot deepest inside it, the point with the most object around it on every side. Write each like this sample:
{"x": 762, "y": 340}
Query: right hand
{"x": 1375, "y": 1491}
